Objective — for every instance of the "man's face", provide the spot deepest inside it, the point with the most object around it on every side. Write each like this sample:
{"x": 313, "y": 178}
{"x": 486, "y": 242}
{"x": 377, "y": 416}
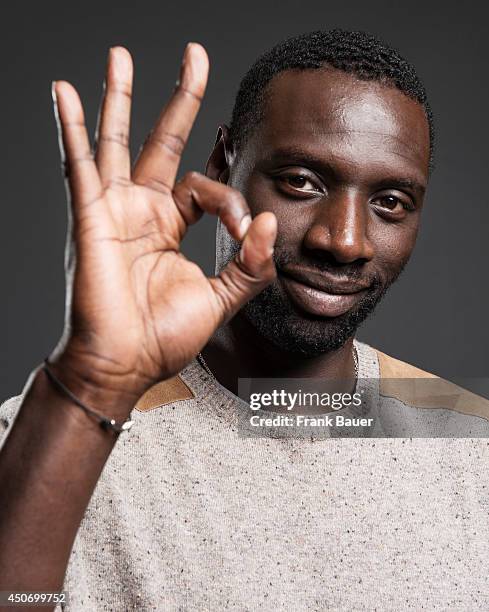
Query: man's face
{"x": 343, "y": 164}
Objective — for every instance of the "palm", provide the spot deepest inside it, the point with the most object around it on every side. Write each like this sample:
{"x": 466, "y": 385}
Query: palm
{"x": 145, "y": 282}
{"x": 137, "y": 303}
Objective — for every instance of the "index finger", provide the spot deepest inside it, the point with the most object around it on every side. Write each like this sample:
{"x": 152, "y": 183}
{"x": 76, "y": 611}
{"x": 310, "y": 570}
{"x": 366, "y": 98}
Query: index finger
{"x": 158, "y": 162}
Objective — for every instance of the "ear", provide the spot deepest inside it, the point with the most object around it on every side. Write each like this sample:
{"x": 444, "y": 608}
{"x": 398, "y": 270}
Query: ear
{"x": 221, "y": 158}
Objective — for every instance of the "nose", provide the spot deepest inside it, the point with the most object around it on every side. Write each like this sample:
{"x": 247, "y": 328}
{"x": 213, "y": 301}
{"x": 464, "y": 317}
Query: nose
{"x": 340, "y": 227}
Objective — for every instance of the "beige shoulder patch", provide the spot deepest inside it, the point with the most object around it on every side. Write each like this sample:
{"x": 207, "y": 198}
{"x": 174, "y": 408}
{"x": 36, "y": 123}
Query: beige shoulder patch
{"x": 165, "y": 392}
{"x": 394, "y": 368}
{"x": 409, "y": 384}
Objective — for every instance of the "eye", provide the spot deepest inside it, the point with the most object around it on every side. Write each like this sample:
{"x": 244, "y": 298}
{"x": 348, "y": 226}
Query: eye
{"x": 297, "y": 183}
{"x": 394, "y": 205}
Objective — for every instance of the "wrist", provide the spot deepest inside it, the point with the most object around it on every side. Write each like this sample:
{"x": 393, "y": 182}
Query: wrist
{"x": 113, "y": 399}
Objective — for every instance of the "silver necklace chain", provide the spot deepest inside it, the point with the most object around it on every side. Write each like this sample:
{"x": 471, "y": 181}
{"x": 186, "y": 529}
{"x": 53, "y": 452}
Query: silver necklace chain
{"x": 201, "y": 360}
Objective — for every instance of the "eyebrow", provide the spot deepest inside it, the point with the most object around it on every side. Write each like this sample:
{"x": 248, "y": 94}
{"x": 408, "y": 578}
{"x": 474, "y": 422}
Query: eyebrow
{"x": 303, "y": 158}
{"x": 402, "y": 183}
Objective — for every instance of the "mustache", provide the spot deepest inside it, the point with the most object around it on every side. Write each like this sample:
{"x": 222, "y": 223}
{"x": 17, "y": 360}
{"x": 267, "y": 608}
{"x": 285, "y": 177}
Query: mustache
{"x": 352, "y": 272}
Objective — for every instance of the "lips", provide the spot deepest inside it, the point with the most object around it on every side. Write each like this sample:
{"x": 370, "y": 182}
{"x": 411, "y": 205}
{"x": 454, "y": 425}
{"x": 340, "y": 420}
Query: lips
{"x": 321, "y": 294}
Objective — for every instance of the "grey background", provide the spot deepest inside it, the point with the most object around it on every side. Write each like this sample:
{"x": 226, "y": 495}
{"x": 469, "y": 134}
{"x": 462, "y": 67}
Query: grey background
{"x": 435, "y": 317}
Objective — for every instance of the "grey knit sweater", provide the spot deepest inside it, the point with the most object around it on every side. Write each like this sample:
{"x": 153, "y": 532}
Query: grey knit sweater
{"x": 190, "y": 514}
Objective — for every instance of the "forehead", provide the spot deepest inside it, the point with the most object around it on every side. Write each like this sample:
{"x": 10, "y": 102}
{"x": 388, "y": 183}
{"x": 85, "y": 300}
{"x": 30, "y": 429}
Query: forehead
{"x": 360, "y": 125}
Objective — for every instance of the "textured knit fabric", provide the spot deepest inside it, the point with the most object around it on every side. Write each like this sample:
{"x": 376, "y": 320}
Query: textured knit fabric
{"x": 189, "y": 514}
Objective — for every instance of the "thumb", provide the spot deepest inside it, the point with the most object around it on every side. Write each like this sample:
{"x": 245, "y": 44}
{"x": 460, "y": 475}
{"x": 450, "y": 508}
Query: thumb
{"x": 251, "y": 270}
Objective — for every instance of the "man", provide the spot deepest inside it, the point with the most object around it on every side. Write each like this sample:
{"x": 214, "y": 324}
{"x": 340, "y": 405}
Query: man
{"x": 329, "y": 147}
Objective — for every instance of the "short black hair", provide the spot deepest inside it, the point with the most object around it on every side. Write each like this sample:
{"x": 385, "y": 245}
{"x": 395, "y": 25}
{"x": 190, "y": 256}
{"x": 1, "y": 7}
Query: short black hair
{"x": 355, "y": 52}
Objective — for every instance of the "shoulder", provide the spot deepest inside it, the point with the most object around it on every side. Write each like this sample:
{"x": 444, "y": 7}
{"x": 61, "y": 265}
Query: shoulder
{"x": 9, "y": 407}
{"x": 8, "y": 411}
{"x": 390, "y": 367}
{"x": 422, "y": 389}
{"x": 161, "y": 394}
{"x": 165, "y": 392}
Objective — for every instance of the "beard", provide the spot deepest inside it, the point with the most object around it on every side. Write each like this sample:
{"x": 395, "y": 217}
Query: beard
{"x": 291, "y": 330}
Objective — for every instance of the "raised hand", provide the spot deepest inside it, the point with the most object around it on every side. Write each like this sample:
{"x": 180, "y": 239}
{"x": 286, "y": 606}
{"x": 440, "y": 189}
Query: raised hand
{"x": 137, "y": 310}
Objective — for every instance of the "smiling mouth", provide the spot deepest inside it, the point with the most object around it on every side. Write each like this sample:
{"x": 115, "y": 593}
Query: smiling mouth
{"x": 319, "y": 302}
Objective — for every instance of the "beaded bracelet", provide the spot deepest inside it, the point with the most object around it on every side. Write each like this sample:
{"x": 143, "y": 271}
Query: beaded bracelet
{"x": 105, "y": 423}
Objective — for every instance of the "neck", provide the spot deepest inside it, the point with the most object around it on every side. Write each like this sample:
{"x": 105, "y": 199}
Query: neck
{"x": 236, "y": 350}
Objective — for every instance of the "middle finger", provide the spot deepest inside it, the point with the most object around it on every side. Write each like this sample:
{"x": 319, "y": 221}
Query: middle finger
{"x": 158, "y": 162}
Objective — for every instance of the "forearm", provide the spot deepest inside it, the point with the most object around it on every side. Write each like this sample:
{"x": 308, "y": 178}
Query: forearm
{"x": 49, "y": 466}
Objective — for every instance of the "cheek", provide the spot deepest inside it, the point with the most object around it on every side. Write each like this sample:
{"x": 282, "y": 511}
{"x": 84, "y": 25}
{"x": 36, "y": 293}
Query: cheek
{"x": 394, "y": 244}
{"x": 293, "y": 218}
{"x": 259, "y": 194}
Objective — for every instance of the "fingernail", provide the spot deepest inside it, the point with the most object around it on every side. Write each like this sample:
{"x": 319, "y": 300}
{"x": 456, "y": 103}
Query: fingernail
{"x": 245, "y": 224}
{"x": 185, "y": 53}
{"x": 182, "y": 65}
{"x": 53, "y": 91}
{"x": 116, "y": 64}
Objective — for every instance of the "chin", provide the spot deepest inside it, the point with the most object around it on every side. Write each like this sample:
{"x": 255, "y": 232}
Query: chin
{"x": 276, "y": 320}
{"x": 305, "y": 337}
